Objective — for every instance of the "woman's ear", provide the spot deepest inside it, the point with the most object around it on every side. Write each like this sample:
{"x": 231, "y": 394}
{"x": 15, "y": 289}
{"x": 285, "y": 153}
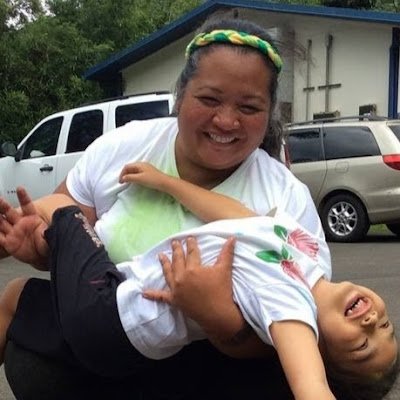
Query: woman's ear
{"x": 177, "y": 107}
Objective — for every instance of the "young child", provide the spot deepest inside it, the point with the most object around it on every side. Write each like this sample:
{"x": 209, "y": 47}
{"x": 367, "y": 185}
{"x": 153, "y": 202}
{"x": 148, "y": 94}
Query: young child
{"x": 279, "y": 280}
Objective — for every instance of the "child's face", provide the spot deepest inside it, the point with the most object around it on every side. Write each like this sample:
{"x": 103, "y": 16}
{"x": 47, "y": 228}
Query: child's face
{"x": 356, "y": 333}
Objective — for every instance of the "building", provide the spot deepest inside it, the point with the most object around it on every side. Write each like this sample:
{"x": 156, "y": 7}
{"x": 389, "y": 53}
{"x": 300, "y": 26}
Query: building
{"x": 338, "y": 62}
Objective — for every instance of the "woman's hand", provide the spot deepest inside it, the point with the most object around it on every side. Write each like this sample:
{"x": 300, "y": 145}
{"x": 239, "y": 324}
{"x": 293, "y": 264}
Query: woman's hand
{"x": 21, "y": 231}
{"x": 203, "y": 293}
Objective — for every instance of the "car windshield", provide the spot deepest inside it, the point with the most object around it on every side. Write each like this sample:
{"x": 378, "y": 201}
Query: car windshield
{"x": 396, "y": 130}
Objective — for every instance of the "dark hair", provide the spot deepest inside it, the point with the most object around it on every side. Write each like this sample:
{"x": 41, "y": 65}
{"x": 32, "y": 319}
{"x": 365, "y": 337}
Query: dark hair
{"x": 347, "y": 386}
{"x": 273, "y": 138}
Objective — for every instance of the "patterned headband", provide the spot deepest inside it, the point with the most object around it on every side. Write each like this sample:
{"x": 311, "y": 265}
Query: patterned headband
{"x": 236, "y": 38}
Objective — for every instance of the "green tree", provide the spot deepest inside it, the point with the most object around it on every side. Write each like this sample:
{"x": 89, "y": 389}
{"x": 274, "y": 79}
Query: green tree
{"x": 41, "y": 73}
{"x": 43, "y": 53}
{"x": 363, "y": 4}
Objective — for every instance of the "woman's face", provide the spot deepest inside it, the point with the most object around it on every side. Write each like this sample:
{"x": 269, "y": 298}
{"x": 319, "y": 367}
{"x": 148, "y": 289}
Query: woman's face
{"x": 224, "y": 112}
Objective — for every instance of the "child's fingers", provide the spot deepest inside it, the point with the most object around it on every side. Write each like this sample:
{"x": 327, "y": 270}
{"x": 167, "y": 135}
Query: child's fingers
{"x": 163, "y": 296}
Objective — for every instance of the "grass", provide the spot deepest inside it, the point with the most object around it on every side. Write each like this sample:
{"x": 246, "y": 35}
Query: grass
{"x": 379, "y": 229}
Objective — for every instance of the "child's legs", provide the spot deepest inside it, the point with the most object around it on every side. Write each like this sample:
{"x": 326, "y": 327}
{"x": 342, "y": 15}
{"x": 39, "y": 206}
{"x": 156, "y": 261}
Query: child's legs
{"x": 8, "y": 305}
{"x": 34, "y": 325}
{"x": 84, "y": 285}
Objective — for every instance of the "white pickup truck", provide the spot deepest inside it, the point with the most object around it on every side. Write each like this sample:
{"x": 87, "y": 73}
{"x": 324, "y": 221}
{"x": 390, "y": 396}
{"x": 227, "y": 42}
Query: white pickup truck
{"x": 46, "y": 154}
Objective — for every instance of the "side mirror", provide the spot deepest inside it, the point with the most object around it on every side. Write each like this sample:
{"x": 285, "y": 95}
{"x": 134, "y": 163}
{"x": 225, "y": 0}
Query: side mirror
{"x": 8, "y": 149}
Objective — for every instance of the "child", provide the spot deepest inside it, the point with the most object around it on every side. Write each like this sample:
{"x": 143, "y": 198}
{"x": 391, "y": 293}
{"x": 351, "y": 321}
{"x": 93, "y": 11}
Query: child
{"x": 279, "y": 276}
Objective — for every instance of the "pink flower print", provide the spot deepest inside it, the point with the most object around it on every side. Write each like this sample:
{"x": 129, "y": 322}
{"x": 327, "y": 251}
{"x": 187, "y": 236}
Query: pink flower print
{"x": 304, "y": 243}
{"x": 291, "y": 268}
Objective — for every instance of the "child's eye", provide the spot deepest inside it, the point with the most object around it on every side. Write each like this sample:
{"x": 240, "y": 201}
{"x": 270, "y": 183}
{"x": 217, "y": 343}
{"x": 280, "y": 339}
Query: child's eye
{"x": 363, "y": 346}
{"x": 385, "y": 325}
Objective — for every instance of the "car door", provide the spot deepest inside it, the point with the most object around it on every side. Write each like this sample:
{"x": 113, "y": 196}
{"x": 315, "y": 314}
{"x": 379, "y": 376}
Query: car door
{"x": 35, "y": 163}
{"x": 306, "y": 158}
{"x": 82, "y": 129}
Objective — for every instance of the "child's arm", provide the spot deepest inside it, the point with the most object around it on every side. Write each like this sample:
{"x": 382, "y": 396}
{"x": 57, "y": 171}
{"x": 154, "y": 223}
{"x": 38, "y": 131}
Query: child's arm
{"x": 301, "y": 360}
{"x": 205, "y": 204}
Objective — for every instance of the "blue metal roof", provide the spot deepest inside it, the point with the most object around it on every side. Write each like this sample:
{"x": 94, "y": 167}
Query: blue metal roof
{"x": 189, "y": 22}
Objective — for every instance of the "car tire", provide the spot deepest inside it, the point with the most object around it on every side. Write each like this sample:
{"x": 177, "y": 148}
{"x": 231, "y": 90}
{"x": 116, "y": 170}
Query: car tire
{"x": 394, "y": 228}
{"x": 344, "y": 219}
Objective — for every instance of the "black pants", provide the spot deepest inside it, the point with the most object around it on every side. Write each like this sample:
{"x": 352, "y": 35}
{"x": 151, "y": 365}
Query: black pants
{"x": 74, "y": 317}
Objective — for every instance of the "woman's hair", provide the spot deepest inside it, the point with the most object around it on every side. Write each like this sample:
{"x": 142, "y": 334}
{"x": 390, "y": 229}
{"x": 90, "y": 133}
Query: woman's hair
{"x": 347, "y": 386}
{"x": 273, "y": 138}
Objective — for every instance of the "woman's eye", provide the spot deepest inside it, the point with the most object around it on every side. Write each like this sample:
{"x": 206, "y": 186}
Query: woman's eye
{"x": 247, "y": 109}
{"x": 208, "y": 101}
{"x": 363, "y": 346}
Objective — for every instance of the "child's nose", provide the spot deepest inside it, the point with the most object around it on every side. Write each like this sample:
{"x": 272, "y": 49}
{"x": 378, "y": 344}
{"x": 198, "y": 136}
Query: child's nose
{"x": 370, "y": 319}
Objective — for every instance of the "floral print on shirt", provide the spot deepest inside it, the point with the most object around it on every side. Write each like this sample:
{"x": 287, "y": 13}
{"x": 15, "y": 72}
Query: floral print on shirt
{"x": 298, "y": 239}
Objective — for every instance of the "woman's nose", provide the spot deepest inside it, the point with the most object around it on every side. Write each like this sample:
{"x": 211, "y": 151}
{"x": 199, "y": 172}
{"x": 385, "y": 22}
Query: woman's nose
{"x": 370, "y": 319}
{"x": 227, "y": 119}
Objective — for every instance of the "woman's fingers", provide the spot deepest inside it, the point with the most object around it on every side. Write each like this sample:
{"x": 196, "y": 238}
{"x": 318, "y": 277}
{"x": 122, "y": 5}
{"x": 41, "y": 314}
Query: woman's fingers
{"x": 167, "y": 269}
{"x": 163, "y": 296}
{"x": 5, "y": 226}
{"x": 193, "y": 258}
{"x": 8, "y": 212}
{"x": 26, "y": 203}
{"x": 225, "y": 257}
{"x": 178, "y": 264}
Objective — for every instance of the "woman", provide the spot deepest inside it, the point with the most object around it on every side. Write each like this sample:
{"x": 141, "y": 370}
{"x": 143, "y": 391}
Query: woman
{"x": 225, "y": 99}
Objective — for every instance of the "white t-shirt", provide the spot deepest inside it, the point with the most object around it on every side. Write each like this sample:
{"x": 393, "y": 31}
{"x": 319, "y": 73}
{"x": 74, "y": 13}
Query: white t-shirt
{"x": 276, "y": 263}
{"x": 143, "y": 217}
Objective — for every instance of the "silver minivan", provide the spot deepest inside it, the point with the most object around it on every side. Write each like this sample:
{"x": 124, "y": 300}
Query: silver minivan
{"x": 352, "y": 168}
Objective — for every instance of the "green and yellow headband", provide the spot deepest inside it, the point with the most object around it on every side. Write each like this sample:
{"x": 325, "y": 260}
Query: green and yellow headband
{"x": 236, "y": 38}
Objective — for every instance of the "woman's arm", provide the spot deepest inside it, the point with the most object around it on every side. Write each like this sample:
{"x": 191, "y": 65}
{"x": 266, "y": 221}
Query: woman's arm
{"x": 301, "y": 360}
{"x": 21, "y": 230}
{"x": 205, "y": 204}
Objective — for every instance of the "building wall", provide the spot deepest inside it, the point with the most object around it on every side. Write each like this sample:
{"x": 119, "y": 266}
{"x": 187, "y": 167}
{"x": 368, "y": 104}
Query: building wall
{"x": 359, "y": 62}
{"x": 159, "y": 71}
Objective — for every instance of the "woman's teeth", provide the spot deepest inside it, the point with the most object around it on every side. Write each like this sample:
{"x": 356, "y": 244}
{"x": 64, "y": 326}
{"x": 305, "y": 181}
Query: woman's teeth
{"x": 222, "y": 139}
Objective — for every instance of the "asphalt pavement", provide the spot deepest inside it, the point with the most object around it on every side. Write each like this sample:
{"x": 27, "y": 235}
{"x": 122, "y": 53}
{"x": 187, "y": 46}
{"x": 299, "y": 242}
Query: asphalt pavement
{"x": 374, "y": 262}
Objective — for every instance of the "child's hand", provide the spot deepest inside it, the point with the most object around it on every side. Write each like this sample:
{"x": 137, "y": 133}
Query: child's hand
{"x": 144, "y": 174}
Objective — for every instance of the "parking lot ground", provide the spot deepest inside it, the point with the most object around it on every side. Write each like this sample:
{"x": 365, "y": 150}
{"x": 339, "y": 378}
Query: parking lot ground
{"x": 374, "y": 262}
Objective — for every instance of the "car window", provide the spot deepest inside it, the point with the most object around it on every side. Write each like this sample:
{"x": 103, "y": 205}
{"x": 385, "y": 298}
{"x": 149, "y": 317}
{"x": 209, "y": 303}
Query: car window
{"x": 43, "y": 141}
{"x": 348, "y": 142}
{"x": 304, "y": 145}
{"x": 141, "y": 111}
{"x": 396, "y": 130}
{"x": 85, "y": 128}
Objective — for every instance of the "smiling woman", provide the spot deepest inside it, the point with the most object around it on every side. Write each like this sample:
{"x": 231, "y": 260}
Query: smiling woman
{"x": 224, "y": 137}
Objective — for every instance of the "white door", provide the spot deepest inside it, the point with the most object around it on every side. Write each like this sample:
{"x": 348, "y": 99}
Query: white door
{"x": 35, "y": 164}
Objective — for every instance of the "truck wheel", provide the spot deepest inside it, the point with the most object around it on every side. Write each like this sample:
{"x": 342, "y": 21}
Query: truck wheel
{"x": 394, "y": 228}
{"x": 344, "y": 219}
